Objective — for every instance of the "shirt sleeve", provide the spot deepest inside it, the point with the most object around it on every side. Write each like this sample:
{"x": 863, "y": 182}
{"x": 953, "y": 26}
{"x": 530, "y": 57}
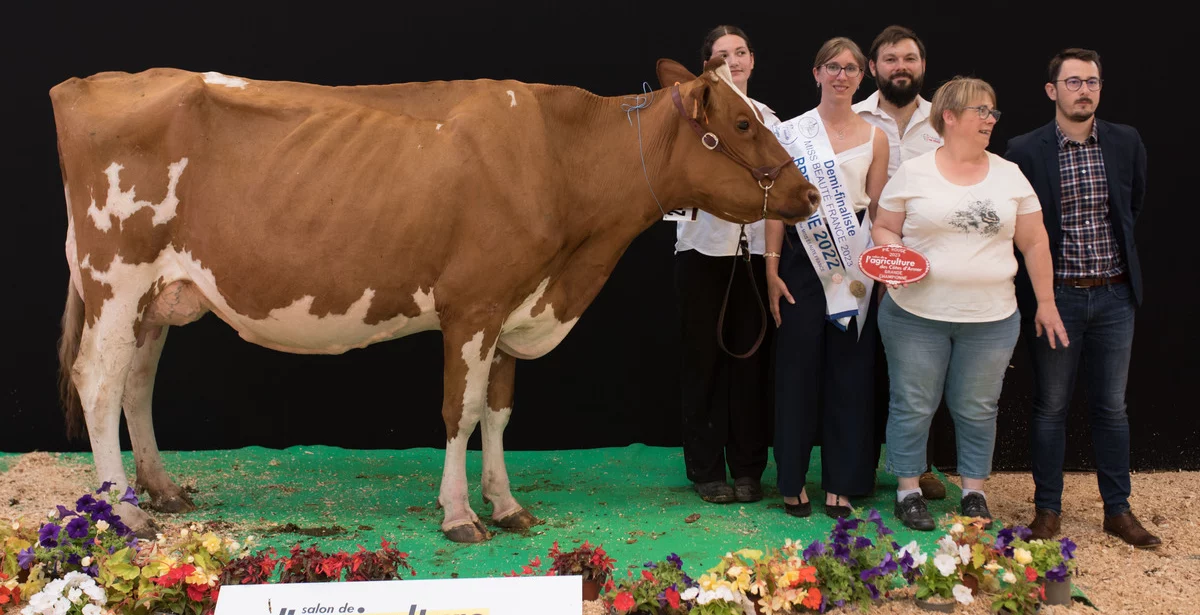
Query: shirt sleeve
{"x": 1026, "y": 197}
{"x": 895, "y": 193}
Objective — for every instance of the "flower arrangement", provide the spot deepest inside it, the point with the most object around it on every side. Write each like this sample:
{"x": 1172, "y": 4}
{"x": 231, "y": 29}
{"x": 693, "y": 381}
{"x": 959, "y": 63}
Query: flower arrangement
{"x": 940, "y": 579}
{"x": 1035, "y": 562}
{"x": 592, "y": 563}
{"x": 73, "y": 540}
{"x": 725, "y": 588}
{"x": 859, "y": 562}
{"x": 311, "y": 565}
{"x": 658, "y": 588}
{"x": 15, "y": 581}
{"x": 10, "y": 590}
{"x": 74, "y": 594}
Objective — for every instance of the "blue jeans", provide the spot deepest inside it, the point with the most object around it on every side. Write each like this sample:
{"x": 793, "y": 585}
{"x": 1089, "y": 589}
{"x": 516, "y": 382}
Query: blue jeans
{"x": 1099, "y": 323}
{"x": 966, "y": 360}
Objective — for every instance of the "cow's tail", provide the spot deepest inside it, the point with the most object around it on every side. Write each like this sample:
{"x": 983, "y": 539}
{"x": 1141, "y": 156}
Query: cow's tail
{"x": 68, "y": 350}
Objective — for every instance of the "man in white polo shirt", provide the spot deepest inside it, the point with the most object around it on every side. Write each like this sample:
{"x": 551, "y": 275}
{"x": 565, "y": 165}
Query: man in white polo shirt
{"x": 897, "y": 60}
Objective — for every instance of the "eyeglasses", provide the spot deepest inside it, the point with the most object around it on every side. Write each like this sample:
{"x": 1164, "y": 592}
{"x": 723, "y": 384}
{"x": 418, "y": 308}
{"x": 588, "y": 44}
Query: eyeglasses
{"x": 852, "y": 70}
{"x": 1074, "y": 83}
{"x": 985, "y": 111}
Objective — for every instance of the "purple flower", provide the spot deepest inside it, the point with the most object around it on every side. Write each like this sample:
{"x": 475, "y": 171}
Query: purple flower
{"x": 1057, "y": 573}
{"x": 841, "y": 551}
{"x": 48, "y": 535}
{"x": 846, "y": 525}
{"x": 840, "y": 603}
{"x": 649, "y": 565}
{"x": 675, "y": 559}
{"x": 92, "y": 571}
{"x": 1068, "y": 549}
{"x": 74, "y": 559}
{"x": 102, "y": 510}
{"x": 64, "y": 512}
{"x": 78, "y": 528}
{"x": 120, "y": 528}
{"x": 1023, "y": 532}
{"x": 1004, "y": 538}
{"x": 104, "y": 487}
{"x": 862, "y": 542}
{"x": 874, "y": 592}
{"x": 817, "y": 548}
{"x": 906, "y": 562}
{"x": 25, "y": 558}
{"x": 85, "y": 504}
{"x": 132, "y": 542}
{"x": 130, "y": 497}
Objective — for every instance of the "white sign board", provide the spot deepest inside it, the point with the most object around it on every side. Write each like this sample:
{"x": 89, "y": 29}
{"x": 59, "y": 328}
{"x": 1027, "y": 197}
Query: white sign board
{"x": 491, "y": 596}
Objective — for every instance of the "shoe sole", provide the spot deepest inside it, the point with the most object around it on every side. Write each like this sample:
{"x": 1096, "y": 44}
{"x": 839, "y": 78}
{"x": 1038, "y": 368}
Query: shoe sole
{"x": 1144, "y": 548}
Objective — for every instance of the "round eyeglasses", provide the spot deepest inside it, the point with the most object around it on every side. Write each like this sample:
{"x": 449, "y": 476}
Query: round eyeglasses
{"x": 984, "y": 111}
{"x": 1074, "y": 83}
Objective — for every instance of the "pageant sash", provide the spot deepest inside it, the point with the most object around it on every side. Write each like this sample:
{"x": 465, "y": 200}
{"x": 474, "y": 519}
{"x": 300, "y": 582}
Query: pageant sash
{"x": 832, "y": 236}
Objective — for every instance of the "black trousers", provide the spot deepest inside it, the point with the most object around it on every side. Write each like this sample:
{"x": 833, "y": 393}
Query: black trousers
{"x": 726, "y": 400}
{"x": 824, "y": 386}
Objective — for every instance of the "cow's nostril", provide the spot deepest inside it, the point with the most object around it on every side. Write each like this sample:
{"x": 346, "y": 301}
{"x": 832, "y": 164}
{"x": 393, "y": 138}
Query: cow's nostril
{"x": 814, "y": 198}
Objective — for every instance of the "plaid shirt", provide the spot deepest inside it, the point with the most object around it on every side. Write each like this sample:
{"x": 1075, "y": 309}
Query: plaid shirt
{"x": 1089, "y": 247}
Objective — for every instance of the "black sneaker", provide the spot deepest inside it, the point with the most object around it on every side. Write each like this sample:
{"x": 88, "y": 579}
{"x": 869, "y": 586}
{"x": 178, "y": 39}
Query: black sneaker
{"x": 717, "y": 492}
{"x": 975, "y": 505}
{"x": 747, "y": 489}
{"x": 913, "y": 513}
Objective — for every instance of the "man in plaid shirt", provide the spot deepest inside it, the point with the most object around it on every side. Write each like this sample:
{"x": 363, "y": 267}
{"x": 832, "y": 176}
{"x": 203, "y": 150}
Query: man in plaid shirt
{"x": 1090, "y": 176}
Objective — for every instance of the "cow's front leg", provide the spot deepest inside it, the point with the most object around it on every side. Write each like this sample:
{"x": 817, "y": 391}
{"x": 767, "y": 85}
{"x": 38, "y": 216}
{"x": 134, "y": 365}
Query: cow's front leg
{"x": 165, "y": 495}
{"x": 506, "y": 512}
{"x": 468, "y": 355}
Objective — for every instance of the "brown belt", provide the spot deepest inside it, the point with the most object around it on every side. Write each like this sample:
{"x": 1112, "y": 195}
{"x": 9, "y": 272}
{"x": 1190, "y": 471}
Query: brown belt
{"x": 1090, "y": 282}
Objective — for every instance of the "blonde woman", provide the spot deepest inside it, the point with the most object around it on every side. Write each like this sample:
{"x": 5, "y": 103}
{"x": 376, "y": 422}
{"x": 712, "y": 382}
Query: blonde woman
{"x": 825, "y": 373}
{"x": 964, "y": 208}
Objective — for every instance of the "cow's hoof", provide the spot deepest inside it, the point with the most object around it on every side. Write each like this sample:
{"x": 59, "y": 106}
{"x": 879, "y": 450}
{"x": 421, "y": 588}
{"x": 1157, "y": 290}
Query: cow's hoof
{"x": 469, "y": 532}
{"x": 146, "y": 530}
{"x": 174, "y": 503}
{"x": 519, "y": 520}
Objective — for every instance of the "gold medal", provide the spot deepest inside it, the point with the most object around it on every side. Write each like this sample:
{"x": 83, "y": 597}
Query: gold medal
{"x": 858, "y": 289}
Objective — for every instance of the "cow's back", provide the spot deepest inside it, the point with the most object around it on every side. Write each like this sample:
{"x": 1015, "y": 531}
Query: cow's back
{"x": 284, "y": 202}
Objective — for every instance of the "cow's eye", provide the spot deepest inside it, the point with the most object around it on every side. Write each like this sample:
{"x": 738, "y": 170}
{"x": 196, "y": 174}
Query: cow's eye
{"x": 743, "y": 125}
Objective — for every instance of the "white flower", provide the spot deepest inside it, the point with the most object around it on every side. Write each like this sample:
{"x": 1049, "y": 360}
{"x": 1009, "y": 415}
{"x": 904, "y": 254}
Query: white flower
{"x": 956, "y": 529}
{"x": 52, "y": 514}
{"x": 962, "y": 593}
{"x": 85, "y": 562}
{"x": 16, "y": 525}
{"x": 948, "y": 546}
{"x": 1022, "y": 556}
{"x": 1009, "y": 577}
{"x": 74, "y": 594}
{"x": 690, "y": 593}
{"x": 945, "y": 564}
{"x": 101, "y": 525}
{"x": 914, "y": 550}
{"x": 92, "y": 609}
{"x": 183, "y": 533}
{"x": 964, "y": 554}
{"x": 234, "y": 547}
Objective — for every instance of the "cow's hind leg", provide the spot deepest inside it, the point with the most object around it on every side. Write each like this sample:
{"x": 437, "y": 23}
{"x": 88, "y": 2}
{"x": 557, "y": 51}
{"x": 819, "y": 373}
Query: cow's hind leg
{"x": 152, "y": 476}
{"x": 468, "y": 355}
{"x": 106, "y": 353}
{"x": 506, "y": 512}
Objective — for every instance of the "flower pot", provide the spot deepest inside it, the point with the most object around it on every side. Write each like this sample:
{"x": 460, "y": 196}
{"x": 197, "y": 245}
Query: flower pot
{"x": 939, "y": 606}
{"x": 1057, "y": 592}
{"x": 971, "y": 582}
{"x": 591, "y": 590}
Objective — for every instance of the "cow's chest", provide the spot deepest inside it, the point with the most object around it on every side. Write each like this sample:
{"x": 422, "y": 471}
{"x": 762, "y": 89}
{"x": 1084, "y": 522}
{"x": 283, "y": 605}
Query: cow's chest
{"x": 532, "y": 330}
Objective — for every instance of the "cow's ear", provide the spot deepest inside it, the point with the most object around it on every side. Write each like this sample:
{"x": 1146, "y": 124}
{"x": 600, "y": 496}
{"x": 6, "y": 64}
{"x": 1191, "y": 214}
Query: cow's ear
{"x": 671, "y": 72}
{"x": 714, "y": 63}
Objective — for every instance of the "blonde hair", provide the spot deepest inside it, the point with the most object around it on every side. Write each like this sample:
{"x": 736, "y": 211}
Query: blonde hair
{"x": 834, "y": 47}
{"x": 953, "y": 96}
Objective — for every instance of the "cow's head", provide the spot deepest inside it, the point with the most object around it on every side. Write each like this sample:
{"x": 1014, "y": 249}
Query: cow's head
{"x": 730, "y": 159}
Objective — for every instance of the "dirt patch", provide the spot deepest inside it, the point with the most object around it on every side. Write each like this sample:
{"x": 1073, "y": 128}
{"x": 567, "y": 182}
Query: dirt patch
{"x": 292, "y": 528}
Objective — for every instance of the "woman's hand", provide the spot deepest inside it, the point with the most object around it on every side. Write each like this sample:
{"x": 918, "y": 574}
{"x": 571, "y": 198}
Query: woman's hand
{"x": 1048, "y": 320}
{"x": 777, "y": 288}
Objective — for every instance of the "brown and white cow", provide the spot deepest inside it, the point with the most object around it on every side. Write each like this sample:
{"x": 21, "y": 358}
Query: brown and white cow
{"x": 319, "y": 219}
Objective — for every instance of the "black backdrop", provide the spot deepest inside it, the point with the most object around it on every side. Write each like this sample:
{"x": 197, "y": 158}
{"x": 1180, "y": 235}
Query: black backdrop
{"x": 614, "y": 380}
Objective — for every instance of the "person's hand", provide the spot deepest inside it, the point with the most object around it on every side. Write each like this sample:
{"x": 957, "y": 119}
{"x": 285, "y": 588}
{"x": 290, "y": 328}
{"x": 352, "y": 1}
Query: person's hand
{"x": 1048, "y": 320}
{"x": 777, "y": 288}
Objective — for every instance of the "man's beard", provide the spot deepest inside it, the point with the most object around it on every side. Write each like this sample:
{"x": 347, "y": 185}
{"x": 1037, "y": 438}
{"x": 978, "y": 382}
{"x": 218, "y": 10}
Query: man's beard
{"x": 900, "y": 95}
{"x": 1079, "y": 116}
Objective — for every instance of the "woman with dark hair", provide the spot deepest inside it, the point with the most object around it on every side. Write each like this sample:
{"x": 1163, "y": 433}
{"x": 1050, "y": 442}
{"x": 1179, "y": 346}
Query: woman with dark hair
{"x": 726, "y": 400}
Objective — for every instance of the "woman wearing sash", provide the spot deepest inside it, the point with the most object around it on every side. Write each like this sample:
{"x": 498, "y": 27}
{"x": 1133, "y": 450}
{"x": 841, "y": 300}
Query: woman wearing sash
{"x": 824, "y": 366}
{"x": 964, "y": 209}
{"x": 726, "y": 402}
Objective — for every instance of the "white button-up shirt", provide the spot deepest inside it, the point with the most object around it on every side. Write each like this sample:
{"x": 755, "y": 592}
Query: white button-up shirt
{"x": 919, "y": 138}
{"x": 712, "y": 236}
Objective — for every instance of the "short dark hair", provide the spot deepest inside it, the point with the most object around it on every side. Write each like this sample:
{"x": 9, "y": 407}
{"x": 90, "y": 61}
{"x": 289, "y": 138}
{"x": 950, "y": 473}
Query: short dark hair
{"x": 892, "y": 35}
{"x": 1074, "y": 53}
{"x": 718, "y": 32}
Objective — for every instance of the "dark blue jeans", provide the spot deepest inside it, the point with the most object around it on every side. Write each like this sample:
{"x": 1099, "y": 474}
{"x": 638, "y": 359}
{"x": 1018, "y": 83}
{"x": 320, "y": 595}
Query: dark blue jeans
{"x": 1099, "y": 323}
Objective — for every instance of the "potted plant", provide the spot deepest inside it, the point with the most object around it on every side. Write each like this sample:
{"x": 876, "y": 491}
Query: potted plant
{"x": 938, "y": 582}
{"x": 657, "y": 588}
{"x": 968, "y": 542}
{"x": 725, "y": 588}
{"x": 859, "y": 562}
{"x": 1050, "y": 561}
{"x": 587, "y": 561}
{"x": 1019, "y": 593}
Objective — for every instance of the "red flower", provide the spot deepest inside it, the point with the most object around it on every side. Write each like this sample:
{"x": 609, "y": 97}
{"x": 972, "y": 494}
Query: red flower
{"x": 813, "y": 599}
{"x": 173, "y": 577}
{"x": 527, "y": 570}
{"x": 196, "y": 592}
{"x": 1030, "y": 574}
{"x": 624, "y": 602}
{"x": 672, "y": 597}
{"x": 536, "y": 562}
{"x": 647, "y": 575}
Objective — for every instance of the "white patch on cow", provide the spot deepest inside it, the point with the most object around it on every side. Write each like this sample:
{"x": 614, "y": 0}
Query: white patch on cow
{"x": 438, "y": 127}
{"x": 125, "y": 204}
{"x": 72, "y": 248}
{"x": 513, "y": 97}
{"x": 453, "y": 492}
{"x": 289, "y": 329}
{"x": 216, "y": 78}
{"x": 526, "y": 336}
{"x": 495, "y": 483}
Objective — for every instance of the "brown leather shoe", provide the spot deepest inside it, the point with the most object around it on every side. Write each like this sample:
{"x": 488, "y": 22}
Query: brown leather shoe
{"x": 1126, "y": 527}
{"x": 1045, "y": 524}
{"x": 931, "y": 487}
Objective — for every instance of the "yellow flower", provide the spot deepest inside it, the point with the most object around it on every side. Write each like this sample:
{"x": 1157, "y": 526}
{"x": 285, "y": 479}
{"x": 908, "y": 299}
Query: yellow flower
{"x": 1022, "y": 556}
{"x": 183, "y": 533}
{"x": 198, "y": 577}
{"x": 16, "y": 525}
{"x": 101, "y": 525}
{"x": 211, "y": 542}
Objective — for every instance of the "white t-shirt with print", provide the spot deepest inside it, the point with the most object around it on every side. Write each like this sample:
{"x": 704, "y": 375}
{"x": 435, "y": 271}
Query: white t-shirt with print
{"x": 966, "y": 232}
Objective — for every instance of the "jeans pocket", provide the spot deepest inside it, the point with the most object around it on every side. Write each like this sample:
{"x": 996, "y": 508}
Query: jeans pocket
{"x": 1122, "y": 291}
